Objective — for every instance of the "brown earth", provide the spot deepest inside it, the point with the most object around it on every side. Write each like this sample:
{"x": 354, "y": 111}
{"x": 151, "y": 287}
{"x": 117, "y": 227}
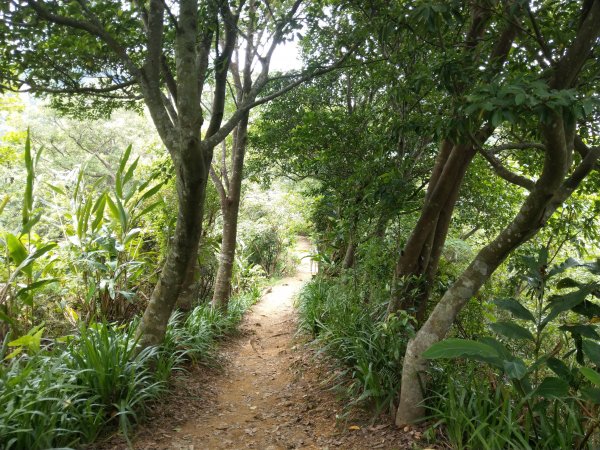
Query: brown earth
{"x": 269, "y": 395}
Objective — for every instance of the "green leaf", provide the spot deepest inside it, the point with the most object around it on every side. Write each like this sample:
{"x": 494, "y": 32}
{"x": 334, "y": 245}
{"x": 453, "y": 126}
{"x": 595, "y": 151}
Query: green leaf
{"x": 552, "y": 387}
{"x": 98, "y": 211}
{"x": 25, "y": 265}
{"x": 124, "y": 159}
{"x": 30, "y": 224}
{"x": 588, "y": 331}
{"x": 515, "y": 369}
{"x": 57, "y": 189}
{"x": 31, "y": 341}
{"x": 587, "y": 309}
{"x": 591, "y": 375}
{"x": 114, "y": 211}
{"x": 456, "y": 348}
{"x": 560, "y": 368}
{"x": 35, "y": 285}
{"x": 502, "y": 351}
{"x": 591, "y": 349}
{"x": 123, "y": 216}
{"x": 511, "y": 330}
{"x": 14, "y": 353}
{"x": 149, "y": 193}
{"x": 563, "y": 303}
{"x": 591, "y": 394}
{"x": 515, "y": 308}
{"x": 131, "y": 235}
{"x": 146, "y": 210}
{"x": 567, "y": 283}
{"x": 16, "y": 249}
{"x": 5, "y": 318}
{"x": 129, "y": 174}
{"x": 560, "y": 268}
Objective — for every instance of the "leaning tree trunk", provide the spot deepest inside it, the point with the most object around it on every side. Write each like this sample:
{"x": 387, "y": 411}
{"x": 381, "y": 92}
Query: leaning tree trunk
{"x": 191, "y": 190}
{"x": 547, "y": 195}
{"x": 417, "y": 265}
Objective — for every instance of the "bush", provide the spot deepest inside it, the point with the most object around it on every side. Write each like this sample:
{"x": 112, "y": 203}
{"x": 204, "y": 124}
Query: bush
{"x": 542, "y": 360}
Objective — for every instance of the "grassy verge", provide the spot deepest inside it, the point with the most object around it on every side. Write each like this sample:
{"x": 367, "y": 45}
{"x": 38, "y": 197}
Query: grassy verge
{"x": 367, "y": 345}
{"x": 63, "y": 395}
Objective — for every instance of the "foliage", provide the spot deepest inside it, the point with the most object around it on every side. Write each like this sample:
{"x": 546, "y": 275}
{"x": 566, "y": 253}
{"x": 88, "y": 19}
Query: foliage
{"x": 368, "y": 345}
{"x": 264, "y": 239}
{"x": 65, "y": 393}
{"x": 99, "y": 251}
{"x": 557, "y": 399}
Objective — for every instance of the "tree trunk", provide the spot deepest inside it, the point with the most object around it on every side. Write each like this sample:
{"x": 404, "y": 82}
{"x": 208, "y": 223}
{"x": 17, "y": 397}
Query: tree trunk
{"x": 418, "y": 262}
{"x": 186, "y": 299}
{"x": 226, "y": 256}
{"x": 549, "y": 192}
{"x": 230, "y": 207}
{"x": 350, "y": 254}
{"x": 191, "y": 190}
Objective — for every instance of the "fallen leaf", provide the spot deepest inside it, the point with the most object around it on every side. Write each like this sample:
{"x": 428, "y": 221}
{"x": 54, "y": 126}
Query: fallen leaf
{"x": 354, "y": 427}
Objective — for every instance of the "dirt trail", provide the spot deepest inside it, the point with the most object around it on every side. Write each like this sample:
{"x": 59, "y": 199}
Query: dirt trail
{"x": 269, "y": 395}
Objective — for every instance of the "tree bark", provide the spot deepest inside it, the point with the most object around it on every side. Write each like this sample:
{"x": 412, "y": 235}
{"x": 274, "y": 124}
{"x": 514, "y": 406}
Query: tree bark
{"x": 224, "y": 277}
{"x": 350, "y": 254}
{"x": 418, "y": 263}
{"x": 230, "y": 207}
{"x": 191, "y": 189}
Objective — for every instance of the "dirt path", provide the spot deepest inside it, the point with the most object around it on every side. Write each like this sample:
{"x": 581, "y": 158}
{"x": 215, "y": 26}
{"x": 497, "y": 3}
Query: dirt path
{"x": 268, "y": 397}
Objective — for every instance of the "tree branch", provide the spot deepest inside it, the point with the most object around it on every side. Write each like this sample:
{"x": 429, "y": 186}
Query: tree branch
{"x": 579, "y": 52}
{"x": 92, "y": 28}
{"x": 517, "y": 146}
{"x": 218, "y": 185}
{"x": 504, "y": 173}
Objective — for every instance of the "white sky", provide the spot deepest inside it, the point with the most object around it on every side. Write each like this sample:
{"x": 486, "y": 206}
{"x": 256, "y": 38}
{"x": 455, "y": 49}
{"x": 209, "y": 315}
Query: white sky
{"x": 285, "y": 57}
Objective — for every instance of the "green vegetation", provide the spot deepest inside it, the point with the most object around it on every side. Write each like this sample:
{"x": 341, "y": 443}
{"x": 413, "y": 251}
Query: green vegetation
{"x": 369, "y": 345}
{"x": 77, "y": 272}
{"x": 443, "y": 156}
{"x": 75, "y": 386}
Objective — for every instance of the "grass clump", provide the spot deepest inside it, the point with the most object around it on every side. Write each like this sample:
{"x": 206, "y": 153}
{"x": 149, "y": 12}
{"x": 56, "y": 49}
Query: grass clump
{"x": 358, "y": 334}
{"x": 64, "y": 395}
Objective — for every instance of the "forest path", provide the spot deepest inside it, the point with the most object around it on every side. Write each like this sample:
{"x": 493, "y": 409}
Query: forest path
{"x": 268, "y": 396}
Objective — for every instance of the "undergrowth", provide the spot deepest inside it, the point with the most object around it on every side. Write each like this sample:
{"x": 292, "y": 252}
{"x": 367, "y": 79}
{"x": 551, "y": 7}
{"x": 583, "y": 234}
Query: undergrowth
{"x": 368, "y": 345}
{"x": 65, "y": 394}
{"x": 469, "y": 409}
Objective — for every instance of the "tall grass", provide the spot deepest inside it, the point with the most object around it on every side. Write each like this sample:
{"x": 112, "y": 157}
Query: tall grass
{"x": 368, "y": 345}
{"x": 468, "y": 409}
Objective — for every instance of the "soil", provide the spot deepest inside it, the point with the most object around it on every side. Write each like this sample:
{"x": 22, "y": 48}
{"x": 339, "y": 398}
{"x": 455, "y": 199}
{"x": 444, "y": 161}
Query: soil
{"x": 271, "y": 393}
